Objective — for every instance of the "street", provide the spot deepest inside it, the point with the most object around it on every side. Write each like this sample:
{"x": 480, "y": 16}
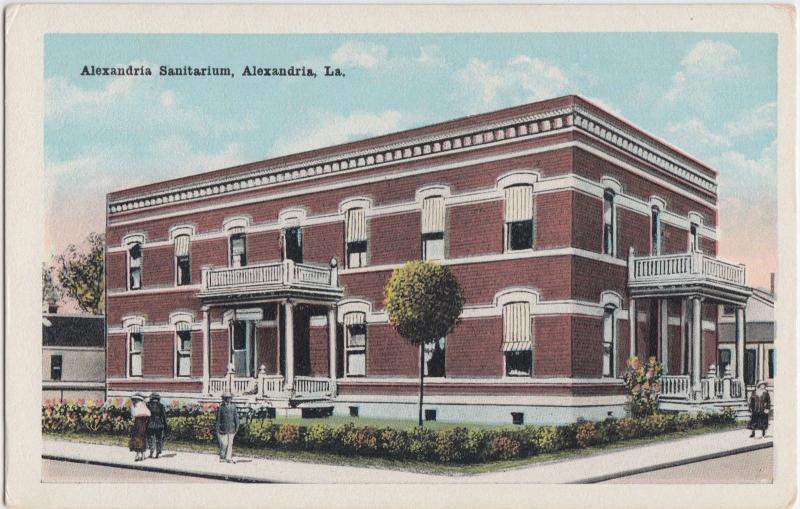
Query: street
{"x": 748, "y": 467}
{"x": 69, "y": 471}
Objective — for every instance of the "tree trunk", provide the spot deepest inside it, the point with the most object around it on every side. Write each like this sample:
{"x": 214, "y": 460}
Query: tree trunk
{"x": 421, "y": 377}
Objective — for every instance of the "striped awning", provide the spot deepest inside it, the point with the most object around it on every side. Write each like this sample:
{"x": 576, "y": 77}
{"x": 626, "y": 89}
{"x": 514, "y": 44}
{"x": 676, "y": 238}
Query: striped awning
{"x": 135, "y": 329}
{"x": 183, "y": 326}
{"x": 182, "y": 245}
{"x": 519, "y": 203}
{"x": 516, "y": 327}
{"x": 354, "y": 318}
{"x": 433, "y": 214}
{"x": 356, "y": 225}
{"x": 235, "y": 230}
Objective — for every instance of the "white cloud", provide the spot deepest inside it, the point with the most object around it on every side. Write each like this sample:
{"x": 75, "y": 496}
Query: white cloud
{"x": 522, "y": 78}
{"x": 62, "y": 96}
{"x": 693, "y": 133}
{"x": 704, "y": 65}
{"x": 167, "y": 98}
{"x": 360, "y": 54}
{"x": 736, "y": 168}
{"x": 336, "y": 129}
{"x": 430, "y": 55}
{"x": 753, "y": 121}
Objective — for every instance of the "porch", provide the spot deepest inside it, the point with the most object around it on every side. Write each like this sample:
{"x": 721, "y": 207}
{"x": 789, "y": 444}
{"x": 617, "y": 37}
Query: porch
{"x": 265, "y": 313}
{"x": 692, "y": 280}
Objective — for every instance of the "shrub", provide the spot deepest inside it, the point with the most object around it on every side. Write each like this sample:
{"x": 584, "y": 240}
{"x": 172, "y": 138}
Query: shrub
{"x": 288, "y": 436}
{"x": 452, "y": 446}
{"x": 643, "y": 384}
{"x": 628, "y": 428}
{"x": 608, "y": 431}
{"x": 396, "y": 443}
{"x": 423, "y": 444}
{"x": 362, "y": 440}
{"x": 586, "y": 434}
{"x": 319, "y": 437}
{"x": 478, "y": 441}
{"x": 504, "y": 448}
{"x": 655, "y": 424}
{"x": 546, "y": 439}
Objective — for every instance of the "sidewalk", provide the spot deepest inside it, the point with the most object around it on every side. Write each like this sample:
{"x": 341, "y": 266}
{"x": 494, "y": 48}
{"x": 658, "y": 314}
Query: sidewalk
{"x": 596, "y": 468}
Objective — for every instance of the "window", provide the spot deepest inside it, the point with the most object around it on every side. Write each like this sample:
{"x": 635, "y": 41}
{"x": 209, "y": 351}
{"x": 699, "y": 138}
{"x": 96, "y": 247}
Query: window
{"x": 184, "y": 349}
{"x": 433, "y": 226}
{"x": 183, "y": 266}
{"x": 239, "y": 351}
{"x": 435, "y": 358}
{"x": 771, "y": 363}
{"x": 609, "y": 224}
{"x": 135, "y": 347}
{"x": 135, "y": 267}
{"x": 517, "y": 418}
{"x": 724, "y": 360}
{"x": 293, "y": 244}
{"x": 519, "y": 217}
{"x": 356, "y": 343}
{"x": 694, "y": 238}
{"x": 356, "y": 238}
{"x": 238, "y": 242}
{"x": 430, "y": 414}
{"x": 750, "y": 367}
{"x": 55, "y": 367}
{"x": 655, "y": 231}
{"x": 609, "y": 336}
{"x": 517, "y": 339}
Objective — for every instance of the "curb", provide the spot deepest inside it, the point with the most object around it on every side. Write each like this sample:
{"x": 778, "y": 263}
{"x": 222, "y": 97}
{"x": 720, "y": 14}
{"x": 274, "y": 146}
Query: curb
{"x": 675, "y": 463}
{"x": 162, "y": 470}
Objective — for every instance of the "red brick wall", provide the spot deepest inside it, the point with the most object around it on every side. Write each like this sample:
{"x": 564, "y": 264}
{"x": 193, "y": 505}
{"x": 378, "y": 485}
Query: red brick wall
{"x": 324, "y": 241}
{"x": 158, "y": 266}
{"x": 197, "y": 353}
{"x": 587, "y": 346}
{"x": 389, "y": 354}
{"x": 268, "y": 349}
{"x": 395, "y": 238}
{"x": 553, "y": 346}
{"x": 318, "y": 351}
{"x": 262, "y": 247}
{"x": 474, "y": 348}
{"x": 220, "y": 352}
{"x": 117, "y": 352}
{"x": 210, "y": 253}
{"x": 709, "y": 350}
{"x": 591, "y": 277}
{"x": 674, "y": 347}
{"x": 476, "y": 221}
{"x": 587, "y": 222}
{"x": 633, "y": 230}
{"x": 708, "y": 246}
{"x": 158, "y": 354}
{"x": 675, "y": 240}
{"x": 155, "y": 307}
{"x": 623, "y": 345}
{"x": 117, "y": 271}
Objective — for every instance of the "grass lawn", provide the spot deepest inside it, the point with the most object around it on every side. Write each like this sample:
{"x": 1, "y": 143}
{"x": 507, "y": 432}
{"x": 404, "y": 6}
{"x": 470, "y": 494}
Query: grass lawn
{"x": 407, "y": 465}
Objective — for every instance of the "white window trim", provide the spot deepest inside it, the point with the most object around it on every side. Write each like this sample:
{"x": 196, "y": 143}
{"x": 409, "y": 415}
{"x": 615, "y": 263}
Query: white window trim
{"x": 358, "y": 202}
{"x": 512, "y": 295}
{"x": 180, "y": 316}
{"x": 132, "y": 238}
{"x": 292, "y": 217}
{"x": 177, "y": 375}
{"x": 430, "y": 192}
{"x": 129, "y": 241}
{"x": 517, "y": 178}
{"x": 183, "y": 229}
{"x": 614, "y": 222}
{"x": 236, "y": 222}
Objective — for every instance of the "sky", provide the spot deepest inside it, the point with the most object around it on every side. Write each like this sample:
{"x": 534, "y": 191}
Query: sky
{"x": 713, "y": 95}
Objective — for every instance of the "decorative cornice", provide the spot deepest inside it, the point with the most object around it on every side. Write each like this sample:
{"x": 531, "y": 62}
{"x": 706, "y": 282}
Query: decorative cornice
{"x": 556, "y": 120}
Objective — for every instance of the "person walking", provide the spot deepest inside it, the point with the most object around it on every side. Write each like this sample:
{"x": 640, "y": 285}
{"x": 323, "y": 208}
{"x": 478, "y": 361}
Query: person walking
{"x": 157, "y": 425}
{"x": 227, "y": 424}
{"x": 759, "y": 404}
{"x": 141, "y": 415}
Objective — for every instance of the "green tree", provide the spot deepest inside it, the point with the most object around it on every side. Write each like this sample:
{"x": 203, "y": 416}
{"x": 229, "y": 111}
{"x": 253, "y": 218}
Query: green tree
{"x": 424, "y": 301}
{"x": 80, "y": 274}
{"x": 50, "y": 289}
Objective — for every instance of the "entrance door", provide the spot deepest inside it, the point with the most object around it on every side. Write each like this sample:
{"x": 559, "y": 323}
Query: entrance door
{"x": 293, "y": 244}
{"x": 243, "y": 348}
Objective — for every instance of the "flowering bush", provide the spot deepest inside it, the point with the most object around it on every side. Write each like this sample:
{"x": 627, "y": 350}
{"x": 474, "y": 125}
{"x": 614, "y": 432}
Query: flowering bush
{"x": 643, "y": 383}
{"x": 453, "y": 445}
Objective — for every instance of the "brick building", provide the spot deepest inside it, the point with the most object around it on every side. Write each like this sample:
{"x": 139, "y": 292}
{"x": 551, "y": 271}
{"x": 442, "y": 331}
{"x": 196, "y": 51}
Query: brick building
{"x": 561, "y": 221}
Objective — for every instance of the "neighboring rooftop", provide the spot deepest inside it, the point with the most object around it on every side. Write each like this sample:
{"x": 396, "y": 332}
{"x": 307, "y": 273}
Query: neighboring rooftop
{"x": 73, "y": 330}
{"x": 423, "y": 142}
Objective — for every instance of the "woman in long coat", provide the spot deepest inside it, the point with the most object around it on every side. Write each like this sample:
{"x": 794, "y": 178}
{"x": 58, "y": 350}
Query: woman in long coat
{"x": 141, "y": 416}
{"x": 759, "y": 404}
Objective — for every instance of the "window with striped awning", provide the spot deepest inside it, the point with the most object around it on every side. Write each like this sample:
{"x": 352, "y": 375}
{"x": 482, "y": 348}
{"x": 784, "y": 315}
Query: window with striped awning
{"x": 517, "y": 334}
{"x": 182, "y": 245}
{"x": 433, "y": 214}
{"x": 356, "y": 225}
{"x": 183, "y": 326}
{"x": 519, "y": 203}
{"x": 355, "y": 325}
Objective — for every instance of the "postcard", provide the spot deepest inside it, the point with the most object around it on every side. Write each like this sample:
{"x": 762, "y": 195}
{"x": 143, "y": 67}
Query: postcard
{"x": 354, "y": 255}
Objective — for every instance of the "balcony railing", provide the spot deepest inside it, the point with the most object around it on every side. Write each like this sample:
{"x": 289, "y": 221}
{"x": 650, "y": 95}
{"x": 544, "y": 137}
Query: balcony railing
{"x": 684, "y": 267}
{"x": 271, "y": 386}
{"x": 713, "y": 387}
{"x": 270, "y": 276}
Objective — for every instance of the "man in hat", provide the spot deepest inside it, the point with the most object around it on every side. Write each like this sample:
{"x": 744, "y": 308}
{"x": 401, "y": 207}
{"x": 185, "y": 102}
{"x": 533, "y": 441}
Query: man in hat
{"x": 157, "y": 426}
{"x": 226, "y": 426}
{"x": 759, "y": 404}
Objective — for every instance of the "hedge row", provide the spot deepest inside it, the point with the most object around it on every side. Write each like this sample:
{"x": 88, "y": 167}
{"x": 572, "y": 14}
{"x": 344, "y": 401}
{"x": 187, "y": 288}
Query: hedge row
{"x": 453, "y": 445}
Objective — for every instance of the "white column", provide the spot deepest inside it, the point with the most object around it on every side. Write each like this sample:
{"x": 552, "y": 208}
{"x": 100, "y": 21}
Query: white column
{"x": 684, "y": 349}
{"x": 206, "y": 349}
{"x": 332, "y": 346}
{"x": 697, "y": 331}
{"x": 740, "y": 323}
{"x": 664, "y": 330}
{"x": 633, "y": 322}
{"x": 288, "y": 308}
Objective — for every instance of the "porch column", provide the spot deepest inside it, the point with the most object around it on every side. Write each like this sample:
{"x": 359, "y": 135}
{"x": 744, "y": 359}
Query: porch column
{"x": 332, "y": 346}
{"x": 288, "y": 309}
{"x": 206, "y": 349}
{"x": 633, "y": 323}
{"x": 697, "y": 330}
{"x": 740, "y": 343}
{"x": 664, "y": 332}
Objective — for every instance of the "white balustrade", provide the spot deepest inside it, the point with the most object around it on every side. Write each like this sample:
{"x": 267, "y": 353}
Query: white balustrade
{"x": 685, "y": 266}
{"x": 271, "y": 384}
{"x": 243, "y": 386}
{"x": 310, "y": 385}
{"x": 275, "y": 274}
{"x": 217, "y": 385}
{"x": 675, "y": 385}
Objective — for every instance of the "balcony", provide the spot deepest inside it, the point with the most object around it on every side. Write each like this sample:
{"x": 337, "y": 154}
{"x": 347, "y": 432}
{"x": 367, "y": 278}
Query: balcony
{"x": 276, "y": 279}
{"x": 685, "y": 274}
{"x": 273, "y": 387}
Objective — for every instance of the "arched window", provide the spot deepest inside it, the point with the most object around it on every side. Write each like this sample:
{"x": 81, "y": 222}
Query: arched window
{"x": 183, "y": 265}
{"x": 435, "y": 358}
{"x": 135, "y": 266}
{"x": 433, "y": 226}
{"x": 609, "y": 341}
{"x": 517, "y": 339}
{"x": 519, "y": 217}
{"x": 694, "y": 238}
{"x": 135, "y": 350}
{"x": 609, "y": 223}
{"x": 655, "y": 230}
{"x": 183, "y": 349}
{"x": 238, "y": 247}
{"x": 355, "y": 330}
{"x": 356, "y": 238}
